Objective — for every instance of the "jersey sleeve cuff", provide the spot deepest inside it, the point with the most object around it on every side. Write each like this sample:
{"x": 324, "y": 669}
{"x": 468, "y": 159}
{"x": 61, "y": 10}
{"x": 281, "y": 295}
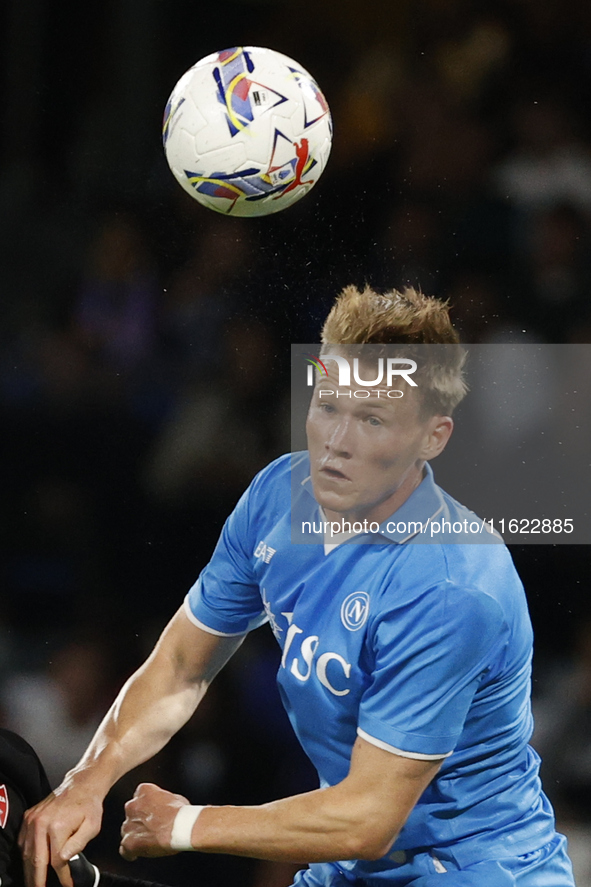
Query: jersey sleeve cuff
{"x": 417, "y": 755}
{"x": 220, "y": 634}
{"x": 409, "y": 745}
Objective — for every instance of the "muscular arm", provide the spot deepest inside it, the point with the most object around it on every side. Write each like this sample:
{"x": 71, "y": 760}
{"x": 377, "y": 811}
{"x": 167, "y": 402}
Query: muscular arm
{"x": 359, "y": 818}
{"x": 154, "y": 703}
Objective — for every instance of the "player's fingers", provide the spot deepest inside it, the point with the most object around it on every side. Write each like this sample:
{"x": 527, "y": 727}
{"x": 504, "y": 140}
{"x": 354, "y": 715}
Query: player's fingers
{"x": 125, "y": 848}
{"x": 146, "y": 790}
{"x": 34, "y": 843}
{"x": 29, "y": 830}
{"x": 74, "y": 844}
{"x": 129, "y": 832}
{"x": 64, "y": 874}
{"x": 36, "y": 859}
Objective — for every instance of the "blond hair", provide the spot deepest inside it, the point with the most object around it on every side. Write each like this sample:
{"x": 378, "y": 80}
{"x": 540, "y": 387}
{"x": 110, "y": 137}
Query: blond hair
{"x": 409, "y": 319}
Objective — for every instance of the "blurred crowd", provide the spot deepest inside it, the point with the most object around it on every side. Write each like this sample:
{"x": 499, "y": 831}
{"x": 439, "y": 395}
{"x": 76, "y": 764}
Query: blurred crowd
{"x": 144, "y": 340}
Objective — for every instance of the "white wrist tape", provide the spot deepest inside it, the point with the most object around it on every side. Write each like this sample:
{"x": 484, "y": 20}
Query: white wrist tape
{"x": 182, "y": 827}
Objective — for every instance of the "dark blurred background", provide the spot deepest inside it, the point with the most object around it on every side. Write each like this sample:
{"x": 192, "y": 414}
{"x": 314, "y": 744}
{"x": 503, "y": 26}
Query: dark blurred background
{"x": 461, "y": 163}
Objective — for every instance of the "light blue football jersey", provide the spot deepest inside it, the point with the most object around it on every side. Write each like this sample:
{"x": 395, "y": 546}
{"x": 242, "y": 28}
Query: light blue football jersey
{"x": 421, "y": 649}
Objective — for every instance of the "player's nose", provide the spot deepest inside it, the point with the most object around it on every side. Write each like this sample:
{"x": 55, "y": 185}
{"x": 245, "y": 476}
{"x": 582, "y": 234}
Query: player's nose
{"x": 339, "y": 442}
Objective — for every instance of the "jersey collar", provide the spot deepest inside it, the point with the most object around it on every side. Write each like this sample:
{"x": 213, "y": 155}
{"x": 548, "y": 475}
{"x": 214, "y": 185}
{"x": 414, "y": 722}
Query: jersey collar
{"x": 422, "y": 506}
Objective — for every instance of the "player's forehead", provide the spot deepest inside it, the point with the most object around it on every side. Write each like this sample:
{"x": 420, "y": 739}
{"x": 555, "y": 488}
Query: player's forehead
{"x": 366, "y": 380}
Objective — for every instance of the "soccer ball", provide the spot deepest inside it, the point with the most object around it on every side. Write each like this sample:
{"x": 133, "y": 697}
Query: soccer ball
{"x": 247, "y": 131}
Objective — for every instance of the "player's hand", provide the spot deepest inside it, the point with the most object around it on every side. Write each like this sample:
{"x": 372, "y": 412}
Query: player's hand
{"x": 55, "y": 830}
{"x": 64, "y": 874}
{"x": 147, "y": 829}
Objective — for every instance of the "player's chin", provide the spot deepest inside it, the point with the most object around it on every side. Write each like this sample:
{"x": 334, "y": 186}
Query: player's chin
{"x": 333, "y": 500}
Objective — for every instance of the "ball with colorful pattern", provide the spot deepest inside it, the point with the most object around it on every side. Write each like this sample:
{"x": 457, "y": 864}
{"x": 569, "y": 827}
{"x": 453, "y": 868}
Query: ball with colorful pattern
{"x": 247, "y": 131}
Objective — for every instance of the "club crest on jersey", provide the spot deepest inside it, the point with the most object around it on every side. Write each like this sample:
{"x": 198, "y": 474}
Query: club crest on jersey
{"x": 264, "y": 552}
{"x": 355, "y": 610}
{"x": 4, "y": 805}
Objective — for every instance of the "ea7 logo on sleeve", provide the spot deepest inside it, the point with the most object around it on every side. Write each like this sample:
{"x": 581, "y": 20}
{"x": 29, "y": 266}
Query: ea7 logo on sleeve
{"x": 264, "y": 551}
{"x": 4, "y": 805}
{"x": 355, "y": 610}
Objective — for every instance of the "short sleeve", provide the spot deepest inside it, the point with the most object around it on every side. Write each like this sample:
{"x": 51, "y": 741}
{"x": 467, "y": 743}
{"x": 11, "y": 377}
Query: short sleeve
{"x": 226, "y": 600}
{"x": 429, "y": 657}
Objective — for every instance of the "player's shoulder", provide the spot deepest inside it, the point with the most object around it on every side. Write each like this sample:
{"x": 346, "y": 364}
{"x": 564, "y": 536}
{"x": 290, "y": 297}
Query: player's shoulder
{"x": 268, "y": 496}
{"x": 466, "y": 525}
{"x": 276, "y": 477}
{"x": 452, "y": 591}
{"x": 463, "y": 564}
{"x": 276, "y": 474}
{"x": 437, "y": 564}
{"x": 477, "y": 582}
{"x": 480, "y": 559}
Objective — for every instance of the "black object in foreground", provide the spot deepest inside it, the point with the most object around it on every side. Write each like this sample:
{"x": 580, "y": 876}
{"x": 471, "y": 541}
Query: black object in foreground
{"x": 23, "y": 783}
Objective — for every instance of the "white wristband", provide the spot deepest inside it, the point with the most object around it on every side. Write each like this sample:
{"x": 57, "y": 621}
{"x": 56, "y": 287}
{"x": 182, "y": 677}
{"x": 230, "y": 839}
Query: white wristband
{"x": 182, "y": 827}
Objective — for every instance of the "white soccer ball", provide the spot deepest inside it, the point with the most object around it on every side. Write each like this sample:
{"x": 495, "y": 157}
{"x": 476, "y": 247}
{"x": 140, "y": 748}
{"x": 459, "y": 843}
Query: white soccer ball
{"x": 247, "y": 131}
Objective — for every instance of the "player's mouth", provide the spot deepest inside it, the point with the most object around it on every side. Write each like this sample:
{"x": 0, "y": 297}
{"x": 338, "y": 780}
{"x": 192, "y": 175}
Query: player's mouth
{"x": 333, "y": 473}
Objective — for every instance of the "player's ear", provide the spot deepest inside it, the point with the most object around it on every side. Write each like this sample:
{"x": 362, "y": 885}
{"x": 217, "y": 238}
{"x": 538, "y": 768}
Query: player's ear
{"x": 438, "y": 431}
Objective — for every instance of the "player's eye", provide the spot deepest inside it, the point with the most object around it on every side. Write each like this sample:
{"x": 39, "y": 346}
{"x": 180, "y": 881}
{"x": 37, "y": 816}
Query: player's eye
{"x": 373, "y": 420}
{"x": 326, "y": 407}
